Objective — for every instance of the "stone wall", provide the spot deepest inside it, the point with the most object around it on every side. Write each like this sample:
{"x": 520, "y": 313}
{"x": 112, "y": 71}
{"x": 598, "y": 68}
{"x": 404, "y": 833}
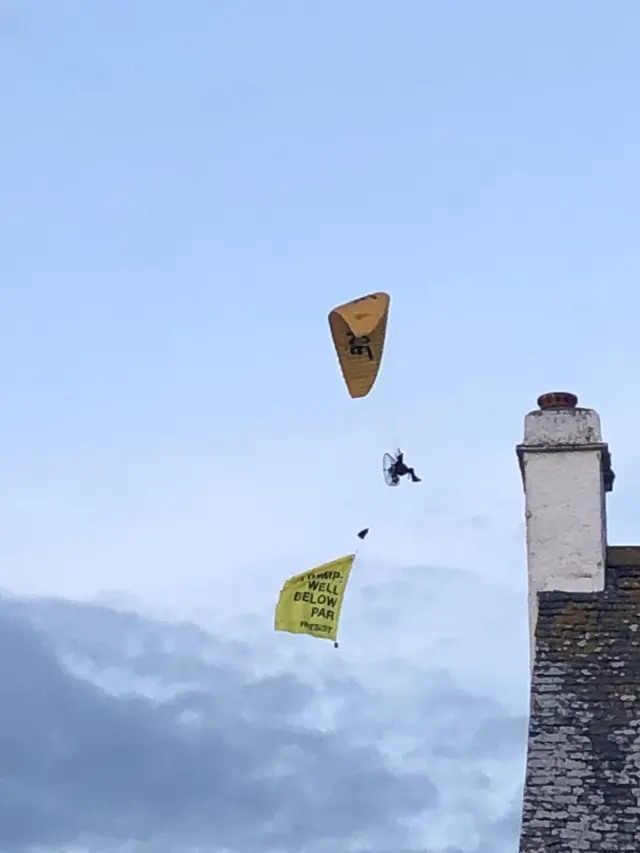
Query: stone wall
{"x": 582, "y": 790}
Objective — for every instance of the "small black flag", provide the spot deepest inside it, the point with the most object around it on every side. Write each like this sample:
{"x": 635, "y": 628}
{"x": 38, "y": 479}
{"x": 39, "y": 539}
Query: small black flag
{"x": 363, "y": 533}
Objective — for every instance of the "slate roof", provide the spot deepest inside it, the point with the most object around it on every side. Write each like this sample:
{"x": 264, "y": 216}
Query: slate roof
{"x": 582, "y": 789}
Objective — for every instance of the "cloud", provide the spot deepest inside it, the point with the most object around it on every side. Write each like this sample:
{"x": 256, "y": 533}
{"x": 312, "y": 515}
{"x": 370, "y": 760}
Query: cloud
{"x": 118, "y": 728}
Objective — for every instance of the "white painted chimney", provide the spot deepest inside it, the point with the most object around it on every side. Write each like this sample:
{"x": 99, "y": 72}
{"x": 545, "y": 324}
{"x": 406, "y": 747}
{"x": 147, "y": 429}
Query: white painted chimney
{"x": 566, "y": 470}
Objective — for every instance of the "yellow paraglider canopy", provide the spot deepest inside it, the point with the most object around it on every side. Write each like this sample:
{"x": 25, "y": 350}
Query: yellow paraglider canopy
{"x": 359, "y": 329}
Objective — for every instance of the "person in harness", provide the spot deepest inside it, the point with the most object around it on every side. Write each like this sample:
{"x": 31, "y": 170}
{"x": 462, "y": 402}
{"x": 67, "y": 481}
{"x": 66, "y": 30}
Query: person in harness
{"x": 399, "y": 468}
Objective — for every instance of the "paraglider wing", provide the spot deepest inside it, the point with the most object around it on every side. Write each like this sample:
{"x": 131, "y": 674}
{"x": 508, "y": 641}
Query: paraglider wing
{"x": 358, "y": 329}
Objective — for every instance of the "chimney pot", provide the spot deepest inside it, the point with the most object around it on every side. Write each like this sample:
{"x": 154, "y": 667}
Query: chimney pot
{"x": 557, "y": 400}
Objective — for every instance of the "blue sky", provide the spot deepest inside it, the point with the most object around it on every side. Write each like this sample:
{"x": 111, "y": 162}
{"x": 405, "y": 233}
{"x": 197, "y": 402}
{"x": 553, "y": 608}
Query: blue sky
{"x": 187, "y": 189}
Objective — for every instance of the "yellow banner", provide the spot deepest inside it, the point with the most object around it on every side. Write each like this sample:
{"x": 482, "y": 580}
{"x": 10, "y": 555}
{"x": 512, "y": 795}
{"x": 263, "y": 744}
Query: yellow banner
{"x": 310, "y": 603}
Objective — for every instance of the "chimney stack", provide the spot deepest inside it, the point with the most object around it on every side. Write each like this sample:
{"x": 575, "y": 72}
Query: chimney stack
{"x": 566, "y": 471}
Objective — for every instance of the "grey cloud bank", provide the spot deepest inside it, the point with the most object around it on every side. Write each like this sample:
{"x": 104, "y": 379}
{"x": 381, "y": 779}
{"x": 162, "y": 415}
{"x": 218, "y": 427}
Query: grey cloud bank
{"x": 117, "y": 729}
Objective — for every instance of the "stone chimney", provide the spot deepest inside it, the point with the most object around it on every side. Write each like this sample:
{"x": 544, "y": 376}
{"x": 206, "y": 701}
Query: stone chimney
{"x": 566, "y": 470}
{"x": 582, "y": 787}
